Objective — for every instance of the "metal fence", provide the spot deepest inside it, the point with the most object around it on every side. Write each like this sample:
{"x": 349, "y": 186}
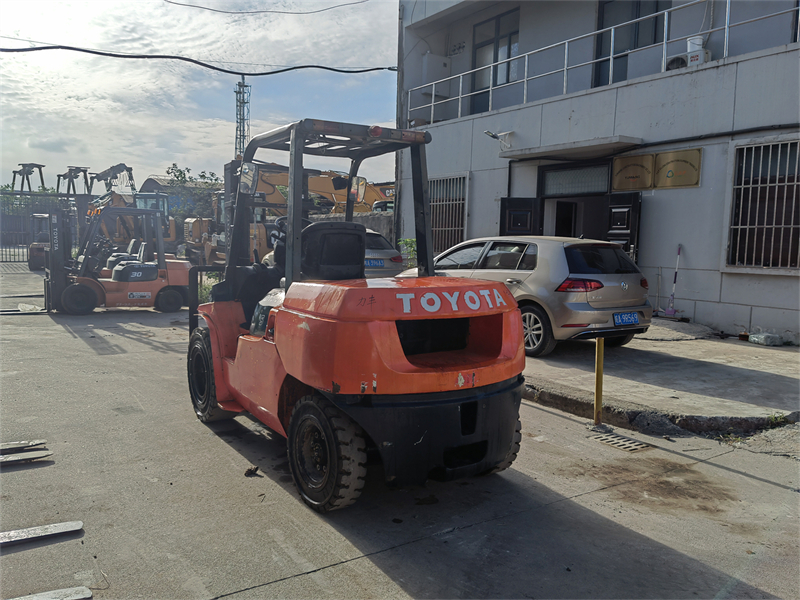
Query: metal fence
{"x": 452, "y": 97}
{"x": 16, "y": 212}
{"x": 448, "y": 211}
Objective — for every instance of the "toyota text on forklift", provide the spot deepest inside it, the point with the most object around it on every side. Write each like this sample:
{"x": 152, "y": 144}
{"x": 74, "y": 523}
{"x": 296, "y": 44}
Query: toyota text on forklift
{"x": 424, "y": 373}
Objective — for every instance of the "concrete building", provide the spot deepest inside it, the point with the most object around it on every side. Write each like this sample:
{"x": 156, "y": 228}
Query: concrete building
{"x": 686, "y": 134}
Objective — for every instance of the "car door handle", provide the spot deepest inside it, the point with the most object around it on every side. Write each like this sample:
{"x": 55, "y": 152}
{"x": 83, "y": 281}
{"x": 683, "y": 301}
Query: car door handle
{"x": 513, "y": 281}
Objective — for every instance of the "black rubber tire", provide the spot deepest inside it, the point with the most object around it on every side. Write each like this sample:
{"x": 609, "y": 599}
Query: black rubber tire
{"x": 616, "y": 341}
{"x": 169, "y": 300}
{"x": 202, "y": 386}
{"x": 536, "y": 331}
{"x": 512, "y": 451}
{"x": 327, "y": 455}
{"x": 78, "y": 299}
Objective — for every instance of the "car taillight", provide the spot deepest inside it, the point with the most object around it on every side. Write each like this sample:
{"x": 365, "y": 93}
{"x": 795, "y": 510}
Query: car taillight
{"x": 397, "y": 258}
{"x": 643, "y": 283}
{"x": 579, "y": 285}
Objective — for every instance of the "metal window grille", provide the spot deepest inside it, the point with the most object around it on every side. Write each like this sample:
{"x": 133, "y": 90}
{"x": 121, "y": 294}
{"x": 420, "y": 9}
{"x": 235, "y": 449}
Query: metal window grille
{"x": 448, "y": 211}
{"x": 765, "y": 218}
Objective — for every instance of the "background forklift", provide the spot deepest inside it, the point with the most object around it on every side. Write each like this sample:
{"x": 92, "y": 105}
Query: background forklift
{"x": 100, "y": 275}
{"x": 40, "y": 236}
{"x": 424, "y": 371}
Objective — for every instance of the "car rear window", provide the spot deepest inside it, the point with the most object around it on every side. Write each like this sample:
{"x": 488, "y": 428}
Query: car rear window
{"x": 599, "y": 260}
{"x": 376, "y": 241}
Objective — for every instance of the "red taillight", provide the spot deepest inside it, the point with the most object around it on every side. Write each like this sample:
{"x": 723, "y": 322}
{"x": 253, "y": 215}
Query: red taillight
{"x": 579, "y": 285}
{"x": 397, "y": 258}
{"x": 375, "y": 131}
{"x": 643, "y": 283}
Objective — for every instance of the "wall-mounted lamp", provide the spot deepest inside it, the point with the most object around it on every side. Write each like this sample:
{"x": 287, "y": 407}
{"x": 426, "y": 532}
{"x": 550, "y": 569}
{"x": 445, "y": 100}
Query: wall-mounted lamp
{"x": 500, "y": 137}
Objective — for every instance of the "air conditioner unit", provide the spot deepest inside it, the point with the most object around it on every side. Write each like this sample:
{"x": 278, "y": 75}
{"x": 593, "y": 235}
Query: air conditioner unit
{"x": 688, "y": 59}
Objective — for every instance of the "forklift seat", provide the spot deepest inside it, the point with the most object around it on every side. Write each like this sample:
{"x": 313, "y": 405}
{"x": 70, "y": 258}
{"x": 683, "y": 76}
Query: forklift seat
{"x": 138, "y": 270}
{"x": 130, "y": 254}
{"x": 333, "y": 251}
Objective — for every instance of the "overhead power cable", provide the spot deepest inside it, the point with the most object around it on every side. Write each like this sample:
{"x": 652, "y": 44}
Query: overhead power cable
{"x": 196, "y": 62}
{"x": 257, "y": 12}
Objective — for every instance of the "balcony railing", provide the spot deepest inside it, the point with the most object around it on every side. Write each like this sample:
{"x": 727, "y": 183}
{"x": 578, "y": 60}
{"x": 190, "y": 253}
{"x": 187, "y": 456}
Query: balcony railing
{"x": 450, "y": 98}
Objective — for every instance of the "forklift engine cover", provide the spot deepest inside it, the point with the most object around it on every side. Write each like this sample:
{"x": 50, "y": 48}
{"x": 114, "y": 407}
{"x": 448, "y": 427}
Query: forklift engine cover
{"x": 426, "y": 366}
{"x": 133, "y": 271}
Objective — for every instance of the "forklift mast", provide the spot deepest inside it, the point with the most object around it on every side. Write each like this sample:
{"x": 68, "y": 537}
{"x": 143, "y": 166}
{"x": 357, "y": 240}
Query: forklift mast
{"x": 58, "y": 259}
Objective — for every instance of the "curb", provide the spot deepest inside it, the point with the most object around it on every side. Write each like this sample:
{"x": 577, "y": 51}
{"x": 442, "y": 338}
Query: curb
{"x": 637, "y": 417}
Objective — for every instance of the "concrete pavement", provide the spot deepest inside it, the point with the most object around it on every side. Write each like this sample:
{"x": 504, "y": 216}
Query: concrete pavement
{"x": 677, "y": 375}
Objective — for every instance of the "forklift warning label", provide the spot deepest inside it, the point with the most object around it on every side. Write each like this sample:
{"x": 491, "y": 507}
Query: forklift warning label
{"x": 138, "y": 295}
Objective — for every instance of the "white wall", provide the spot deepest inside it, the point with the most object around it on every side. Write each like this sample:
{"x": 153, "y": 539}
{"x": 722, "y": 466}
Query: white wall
{"x": 758, "y": 90}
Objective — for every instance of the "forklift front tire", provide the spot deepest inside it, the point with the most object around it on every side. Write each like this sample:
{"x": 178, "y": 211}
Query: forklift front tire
{"x": 78, "y": 299}
{"x": 327, "y": 455}
{"x": 202, "y": 387}
{"x": 169, "y": 300}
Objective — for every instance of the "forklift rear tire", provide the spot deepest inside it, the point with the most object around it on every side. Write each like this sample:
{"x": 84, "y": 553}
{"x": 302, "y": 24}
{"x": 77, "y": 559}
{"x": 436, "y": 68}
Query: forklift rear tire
{"x": 512, "y": 452}
{"x": 327, "y": 455}
{"x": 78, "y": 299}
{"x": 169, "y": 300}
{"x": 202, "y": 387}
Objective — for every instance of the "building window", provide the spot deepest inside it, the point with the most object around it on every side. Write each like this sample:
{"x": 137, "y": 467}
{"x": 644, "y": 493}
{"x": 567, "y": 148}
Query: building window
{"x": 571, "y": 182}
{"x": 448, "y": 211}
{"x": 765, "y": 217}
{"x": 637, "y": 35}
{"x": 492, "y": 41}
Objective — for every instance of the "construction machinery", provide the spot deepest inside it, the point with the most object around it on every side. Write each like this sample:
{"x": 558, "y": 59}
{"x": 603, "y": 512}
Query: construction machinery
{"x": 100, "y": 275}
{"x": 423, "y": 373}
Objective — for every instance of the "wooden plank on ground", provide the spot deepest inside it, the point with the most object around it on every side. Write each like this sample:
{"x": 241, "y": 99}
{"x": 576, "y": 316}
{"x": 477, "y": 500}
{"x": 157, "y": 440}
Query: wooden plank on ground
{"x": 42, "y": 531}
{"x": 9, "y": 447}
{"x": 76, "y": 593}
{"x": 24, "y": 456}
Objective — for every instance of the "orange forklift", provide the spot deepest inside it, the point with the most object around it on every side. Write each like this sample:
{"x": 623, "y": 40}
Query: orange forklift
{"x": 101, "y": 275}
{"x": 424, "y": 373}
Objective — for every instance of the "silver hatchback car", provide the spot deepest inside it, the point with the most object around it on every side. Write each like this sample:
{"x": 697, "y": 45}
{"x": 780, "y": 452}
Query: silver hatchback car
{"x": 566, "y": 288}
{"x": 381, "y": 258}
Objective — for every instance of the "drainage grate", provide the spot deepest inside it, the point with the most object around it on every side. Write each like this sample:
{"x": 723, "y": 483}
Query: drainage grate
{"x": 621, "y": 442}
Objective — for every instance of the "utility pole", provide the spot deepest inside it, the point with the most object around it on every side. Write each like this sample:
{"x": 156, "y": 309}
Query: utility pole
{"x": 242, "y": 92}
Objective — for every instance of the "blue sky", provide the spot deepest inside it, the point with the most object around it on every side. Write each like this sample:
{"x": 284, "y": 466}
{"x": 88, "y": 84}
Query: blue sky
{"x": 62, "y": 108}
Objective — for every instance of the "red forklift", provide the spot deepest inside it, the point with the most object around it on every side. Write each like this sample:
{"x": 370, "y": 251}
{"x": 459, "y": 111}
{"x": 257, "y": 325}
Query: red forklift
{"x": 424, "y": 373}
{"x": 104, "y": 275}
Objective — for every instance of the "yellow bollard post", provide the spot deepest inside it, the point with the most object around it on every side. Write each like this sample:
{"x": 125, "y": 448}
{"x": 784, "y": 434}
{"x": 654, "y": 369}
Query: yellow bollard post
{"x": 598, "y": 380}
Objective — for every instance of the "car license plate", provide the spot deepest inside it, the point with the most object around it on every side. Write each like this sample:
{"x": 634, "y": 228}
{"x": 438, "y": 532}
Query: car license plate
{"x": 630, "y": 318}
{"x": 373, "y": 262}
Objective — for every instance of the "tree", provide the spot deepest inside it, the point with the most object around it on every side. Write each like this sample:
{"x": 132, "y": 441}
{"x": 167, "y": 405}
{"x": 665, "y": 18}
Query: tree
{"x": 193, "y": 194}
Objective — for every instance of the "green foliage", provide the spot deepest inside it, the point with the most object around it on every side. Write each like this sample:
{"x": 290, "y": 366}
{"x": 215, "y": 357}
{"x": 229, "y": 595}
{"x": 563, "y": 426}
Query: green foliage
{"x": 194, "y": 193}
{"x": 408, "y": 246}
{"x": 204, "y": 289}
{"x": 777, "y": 420}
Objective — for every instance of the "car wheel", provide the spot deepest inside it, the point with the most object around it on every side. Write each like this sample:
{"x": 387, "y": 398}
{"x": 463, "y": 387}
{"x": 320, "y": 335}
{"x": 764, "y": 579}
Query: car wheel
{"x": 202, "y": 387}
{"x": 78, "y": 299}
{"x": 536, "y": 331}
{"x": 169, "y": 300}
{"x": 619, "y": 340}
{"x": 327, "y": 455}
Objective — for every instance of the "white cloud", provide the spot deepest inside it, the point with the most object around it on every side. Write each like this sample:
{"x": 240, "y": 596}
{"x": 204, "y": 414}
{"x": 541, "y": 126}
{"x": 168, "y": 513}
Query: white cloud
{"x": 63, "y": 108}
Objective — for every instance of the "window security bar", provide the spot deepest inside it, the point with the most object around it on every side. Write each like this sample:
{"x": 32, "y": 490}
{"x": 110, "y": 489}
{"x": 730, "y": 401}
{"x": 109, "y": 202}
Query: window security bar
{"x": 445, "y": 84}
